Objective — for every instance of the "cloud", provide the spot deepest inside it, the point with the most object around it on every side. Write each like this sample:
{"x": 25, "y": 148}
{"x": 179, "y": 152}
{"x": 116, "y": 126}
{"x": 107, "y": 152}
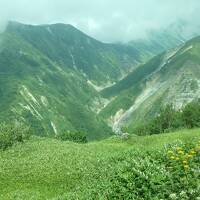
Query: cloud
{"x": 106, "y": 20}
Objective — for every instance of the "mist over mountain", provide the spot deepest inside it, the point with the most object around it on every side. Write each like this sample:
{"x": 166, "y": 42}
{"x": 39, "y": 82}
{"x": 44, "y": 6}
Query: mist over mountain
{"x": 105, "y": 20}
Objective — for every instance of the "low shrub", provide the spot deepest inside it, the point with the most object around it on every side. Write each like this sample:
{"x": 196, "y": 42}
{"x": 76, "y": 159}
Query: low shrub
{"x": 11, "y": 134}
{"x": 170, "y": 119}
{"x": 183, "y": 165}
{"x": 171, "y": 173}
{"x": 78, "y": 137}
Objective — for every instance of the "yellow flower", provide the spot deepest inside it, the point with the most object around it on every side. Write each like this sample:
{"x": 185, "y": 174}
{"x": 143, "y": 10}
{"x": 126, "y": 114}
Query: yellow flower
{"x": 177, "y": 158}
{"x": 172, "y": 157}
{"x": 185, "y": 162}
{"x": 170, "y": 152}
{"x": 192, "y": 152}
{"x": 179, "y": 148}
{"x": 198, "y": 148}
{"x": 181, "y": 152}
{"x": 189, "y": 156}
{"x": 186, "y": 166}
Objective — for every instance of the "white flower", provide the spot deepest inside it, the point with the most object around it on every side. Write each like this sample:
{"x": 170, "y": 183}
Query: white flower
{"x": 172, "y": 196}
{"x": 183, "y": 193}
{"x": 191, "y": 191}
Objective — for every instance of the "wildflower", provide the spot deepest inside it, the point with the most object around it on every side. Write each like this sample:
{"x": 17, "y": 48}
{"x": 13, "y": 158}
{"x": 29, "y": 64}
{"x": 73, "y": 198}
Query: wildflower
{"x": 198, "y": 148}
{"x": 185, "y": 162}
{"x": 183, "y": 193}
{"x": 192, "y": 152}
{"x": 170, "y": 152}
{"x": 189, "y": 156}
{"x": 191, "y": 191}
{"x": 177, "y": 158}
{"x": 186, "y": 167}
{"x": 179, "y": 148}
{"x": 172, "y": 157}
{"x": 181, "y": 152}
{"x": 172, "y": 196}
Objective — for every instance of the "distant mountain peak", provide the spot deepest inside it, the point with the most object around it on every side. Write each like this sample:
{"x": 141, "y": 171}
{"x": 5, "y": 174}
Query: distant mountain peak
{"x": 16, "y": 25}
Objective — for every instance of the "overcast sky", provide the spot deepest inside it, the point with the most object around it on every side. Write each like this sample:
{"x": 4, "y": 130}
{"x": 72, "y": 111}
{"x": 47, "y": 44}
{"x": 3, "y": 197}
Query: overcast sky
{"x": 106, "y": 20}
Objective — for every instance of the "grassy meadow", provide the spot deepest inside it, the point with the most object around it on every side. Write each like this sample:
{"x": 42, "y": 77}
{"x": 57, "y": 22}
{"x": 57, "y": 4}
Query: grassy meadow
{"x": 164, "y": 166}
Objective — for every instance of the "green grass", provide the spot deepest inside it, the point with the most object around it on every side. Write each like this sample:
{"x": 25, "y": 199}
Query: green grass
{"x": 43, "y": 168}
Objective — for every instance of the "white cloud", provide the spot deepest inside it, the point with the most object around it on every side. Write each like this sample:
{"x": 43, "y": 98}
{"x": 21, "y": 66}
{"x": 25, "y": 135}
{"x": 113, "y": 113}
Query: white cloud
{"x": 107, "y": 20}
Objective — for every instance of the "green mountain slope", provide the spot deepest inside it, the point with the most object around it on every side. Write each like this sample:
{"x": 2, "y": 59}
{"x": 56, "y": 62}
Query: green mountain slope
{"x": 39, "y": 92}
{"x": 51, "y": 75}
{"x": 102, "y": 64}
{"x": 70, "y": 48}
{"x": 172, "y": 77}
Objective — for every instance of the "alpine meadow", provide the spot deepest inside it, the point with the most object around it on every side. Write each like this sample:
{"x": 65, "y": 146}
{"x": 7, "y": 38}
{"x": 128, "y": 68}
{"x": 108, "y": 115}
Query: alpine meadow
{"x": 99, "y": 100}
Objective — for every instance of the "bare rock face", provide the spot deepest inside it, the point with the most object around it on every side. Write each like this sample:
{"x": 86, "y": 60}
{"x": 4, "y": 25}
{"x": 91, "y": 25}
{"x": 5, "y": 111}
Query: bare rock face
{"x": 172, "y": 77}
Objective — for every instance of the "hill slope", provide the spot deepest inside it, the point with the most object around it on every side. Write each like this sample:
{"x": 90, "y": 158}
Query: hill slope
{"x": 100, "y": 63}
{"x": 172, "y": 77}
{"x": 39, "y": 92}
{"x": 50, "y": 169}
{"x": 51, "y": 75}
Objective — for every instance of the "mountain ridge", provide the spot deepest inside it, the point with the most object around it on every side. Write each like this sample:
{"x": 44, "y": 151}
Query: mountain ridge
{"x": 149, "y": 91}
{"x": 53, "y": 77}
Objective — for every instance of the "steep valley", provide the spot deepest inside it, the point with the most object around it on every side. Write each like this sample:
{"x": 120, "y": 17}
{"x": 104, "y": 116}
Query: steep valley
{"x": 173, "y": 77}
{"x": 55, "y": 79}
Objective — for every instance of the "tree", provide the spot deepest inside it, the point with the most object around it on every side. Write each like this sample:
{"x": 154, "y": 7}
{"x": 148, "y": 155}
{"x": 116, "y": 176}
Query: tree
{"x": 78, "y": 137}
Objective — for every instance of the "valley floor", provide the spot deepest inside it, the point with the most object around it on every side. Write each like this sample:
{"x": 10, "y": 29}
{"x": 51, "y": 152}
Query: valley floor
{"x": 43, "y": 168}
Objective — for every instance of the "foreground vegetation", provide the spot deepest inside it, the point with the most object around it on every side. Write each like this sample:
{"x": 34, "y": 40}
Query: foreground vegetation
{"x": 170, "y": 119}
{"x": 162, "y": 166}
{"x": 11, "y": 134}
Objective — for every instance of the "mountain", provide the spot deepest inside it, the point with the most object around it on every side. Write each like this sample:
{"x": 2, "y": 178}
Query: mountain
{"x": 158, "y": 41}
{"x": 57, "y": 79}
{"x": 39, "y": 92}
{"x": 65, "y": 45}
{"x": 50, "y": 76}
{"x": 171, "y": 77}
